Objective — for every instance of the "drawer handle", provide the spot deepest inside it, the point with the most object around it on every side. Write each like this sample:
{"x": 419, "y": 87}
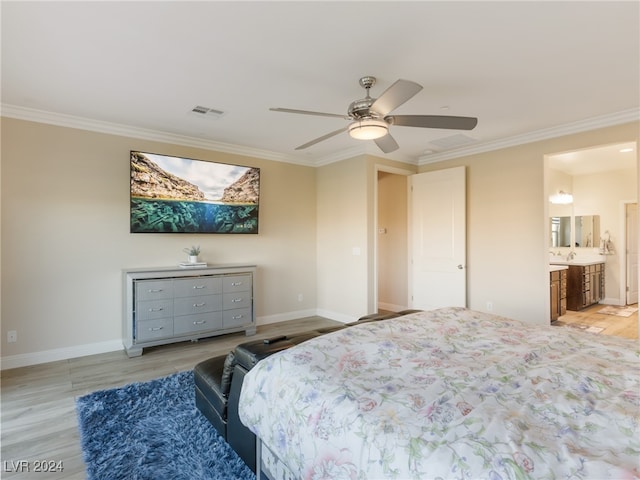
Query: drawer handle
{"x": 155, "y": 329}
{"x": 236, "y": 284}
{"x": 199, "y": 304}
{"x": 199, "y": 287}
{"x": 155, "y": 290}
{"x": 236, "y": 300}
{"x": 156, "y": 309}
{"x": 237, "y": 317}
{"x": 200, "y": 323}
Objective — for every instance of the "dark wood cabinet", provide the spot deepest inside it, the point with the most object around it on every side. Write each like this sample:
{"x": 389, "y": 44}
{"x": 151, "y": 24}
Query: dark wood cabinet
{"x": 558, "y": 285}
{"x": 585, "y": 285}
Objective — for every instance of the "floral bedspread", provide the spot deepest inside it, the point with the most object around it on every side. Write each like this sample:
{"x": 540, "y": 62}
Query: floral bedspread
{"x": 451, "y": 394}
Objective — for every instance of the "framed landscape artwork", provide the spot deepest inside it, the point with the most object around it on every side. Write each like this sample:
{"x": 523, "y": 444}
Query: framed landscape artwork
{"x": 183, "y": 195}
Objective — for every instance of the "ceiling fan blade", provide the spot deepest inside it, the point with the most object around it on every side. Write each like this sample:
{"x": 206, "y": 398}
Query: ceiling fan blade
{"x": 387, "y": 143}
{"x": 433, "y": 121}
{"x": 394, "y": 96}
{"x": 320, "y": 139}
{"x": 308, "y": 112}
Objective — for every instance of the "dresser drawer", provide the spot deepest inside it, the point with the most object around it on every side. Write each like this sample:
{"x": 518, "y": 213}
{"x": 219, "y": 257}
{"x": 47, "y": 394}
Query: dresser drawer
{"x": 199, "y": 304}
{"x": 200, "y": 322}
{"x": 236, "y": 283}
{"x": 154, "y": 329}
{"x": 154, "y": 309}
{"x": 153, "y": 289}
{"x": 189, "y": 287}
{"x": 231, "y": 301}
{"x": 236, "y": 318}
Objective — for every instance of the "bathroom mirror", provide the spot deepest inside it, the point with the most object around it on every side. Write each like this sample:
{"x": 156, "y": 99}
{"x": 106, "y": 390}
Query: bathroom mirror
{"x": 587, "y": 230}
{"x": 560, "y": 232}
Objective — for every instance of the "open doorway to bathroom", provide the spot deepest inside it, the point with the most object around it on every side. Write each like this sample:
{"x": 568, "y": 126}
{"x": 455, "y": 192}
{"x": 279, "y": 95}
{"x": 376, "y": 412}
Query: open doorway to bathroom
{"x": 602, "y": 182}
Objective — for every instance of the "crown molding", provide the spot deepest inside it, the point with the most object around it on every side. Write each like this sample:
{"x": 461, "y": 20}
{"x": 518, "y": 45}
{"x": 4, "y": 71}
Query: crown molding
{"x": 70, "y": 121}
{"x": 618, "y": 118}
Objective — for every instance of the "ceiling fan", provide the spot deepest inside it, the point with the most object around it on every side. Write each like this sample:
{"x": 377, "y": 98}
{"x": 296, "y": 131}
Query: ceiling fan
{"x": 370, "y": 119}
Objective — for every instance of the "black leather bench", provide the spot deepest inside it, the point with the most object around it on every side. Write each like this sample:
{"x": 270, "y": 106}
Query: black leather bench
{"x": 218, "y": 382}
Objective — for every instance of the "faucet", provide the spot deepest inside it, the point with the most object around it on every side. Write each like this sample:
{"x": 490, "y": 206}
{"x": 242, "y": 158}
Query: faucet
{"x": 571, "y": 255}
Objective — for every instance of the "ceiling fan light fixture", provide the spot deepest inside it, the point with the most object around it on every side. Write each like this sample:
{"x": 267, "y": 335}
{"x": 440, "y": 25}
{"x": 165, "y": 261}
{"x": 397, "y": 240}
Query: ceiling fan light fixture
{"x": 368, "y": 129}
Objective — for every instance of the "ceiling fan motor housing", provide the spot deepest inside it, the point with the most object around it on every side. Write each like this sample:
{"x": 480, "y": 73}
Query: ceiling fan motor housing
{"x": 362, "y": 109}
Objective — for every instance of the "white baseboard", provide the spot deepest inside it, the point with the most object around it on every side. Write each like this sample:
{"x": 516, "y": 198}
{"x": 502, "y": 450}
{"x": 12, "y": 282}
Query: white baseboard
{"x": 35, "y": 358}
{"x": 28, "y": 359}
{"x": 391, "y": 307}
{"x": 613, "y": 301}
{"x": 338, "y": 317}
{"x": 284, "y": 317}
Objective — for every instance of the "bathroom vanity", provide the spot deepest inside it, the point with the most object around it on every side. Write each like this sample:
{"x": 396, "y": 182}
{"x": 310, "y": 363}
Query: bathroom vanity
{"x": 558, "y": 286}
{"x": 585, "y": 283}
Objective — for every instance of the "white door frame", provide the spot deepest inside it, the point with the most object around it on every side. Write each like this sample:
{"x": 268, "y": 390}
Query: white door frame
{"x": 622, "y": 251}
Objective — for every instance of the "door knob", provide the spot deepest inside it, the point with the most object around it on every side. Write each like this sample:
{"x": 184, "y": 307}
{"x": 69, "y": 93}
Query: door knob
{"x": 460, "y": 267}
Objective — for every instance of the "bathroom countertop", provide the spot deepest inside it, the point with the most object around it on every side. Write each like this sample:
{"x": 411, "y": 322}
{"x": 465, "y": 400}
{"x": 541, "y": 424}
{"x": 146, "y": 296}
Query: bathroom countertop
{"x": 579, "y": 263}
{"x": 555, "y": 268}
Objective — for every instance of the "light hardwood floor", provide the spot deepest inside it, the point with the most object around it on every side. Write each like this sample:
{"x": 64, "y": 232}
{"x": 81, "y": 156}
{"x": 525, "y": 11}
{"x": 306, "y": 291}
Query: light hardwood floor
{"x": 38, "y": 417}
{"x": 626, "y": 327}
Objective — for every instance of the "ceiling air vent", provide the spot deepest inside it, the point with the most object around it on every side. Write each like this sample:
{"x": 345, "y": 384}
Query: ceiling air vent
{"x": 207, "y": 112}
{"x": 453, "y": 141}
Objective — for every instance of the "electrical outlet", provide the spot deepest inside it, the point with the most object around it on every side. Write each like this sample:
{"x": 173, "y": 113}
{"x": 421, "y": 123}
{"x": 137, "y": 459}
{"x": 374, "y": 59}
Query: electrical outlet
{"x": 12, "y": 336}
{"x": 300, "y": 297}
{"x": 489, "y": 306}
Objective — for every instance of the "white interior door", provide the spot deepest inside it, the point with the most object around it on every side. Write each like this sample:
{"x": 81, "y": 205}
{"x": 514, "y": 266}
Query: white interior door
{"x": 438, "y": 239}
{"x": 632, "y": 253}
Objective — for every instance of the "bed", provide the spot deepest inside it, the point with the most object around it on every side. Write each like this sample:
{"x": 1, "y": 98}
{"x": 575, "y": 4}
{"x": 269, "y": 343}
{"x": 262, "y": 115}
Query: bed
{"x": 452, "y": 394}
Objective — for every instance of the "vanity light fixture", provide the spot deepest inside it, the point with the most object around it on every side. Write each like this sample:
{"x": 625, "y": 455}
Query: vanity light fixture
{"x": 561, "y": 198}
{"x": 368, "y": 129}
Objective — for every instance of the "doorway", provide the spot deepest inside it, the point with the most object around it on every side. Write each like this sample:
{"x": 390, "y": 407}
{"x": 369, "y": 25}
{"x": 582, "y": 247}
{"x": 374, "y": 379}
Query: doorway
{"x": 391, "y": 240}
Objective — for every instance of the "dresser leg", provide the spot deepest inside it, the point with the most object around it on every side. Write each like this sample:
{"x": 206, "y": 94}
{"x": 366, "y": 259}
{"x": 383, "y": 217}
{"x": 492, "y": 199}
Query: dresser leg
{"x": 134, "y": 352}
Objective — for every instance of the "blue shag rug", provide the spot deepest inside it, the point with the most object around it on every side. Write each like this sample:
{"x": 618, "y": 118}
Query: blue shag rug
{"x": 153, "y": 430}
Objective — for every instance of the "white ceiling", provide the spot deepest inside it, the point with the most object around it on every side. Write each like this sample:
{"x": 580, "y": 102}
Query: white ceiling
{"x": 527, "y": 70}
{"x": 603, "y": 158}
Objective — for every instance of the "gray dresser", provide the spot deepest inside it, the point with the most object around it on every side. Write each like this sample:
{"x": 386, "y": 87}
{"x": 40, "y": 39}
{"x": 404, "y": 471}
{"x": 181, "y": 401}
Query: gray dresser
{"x": 173, "y": 304}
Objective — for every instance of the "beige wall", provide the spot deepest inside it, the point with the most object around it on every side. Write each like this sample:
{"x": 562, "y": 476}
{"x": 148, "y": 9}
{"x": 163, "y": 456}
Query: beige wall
{"x": 507, "y": 230}
{"x": 65, "y": 238}
{"x": 343, "y": 243}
